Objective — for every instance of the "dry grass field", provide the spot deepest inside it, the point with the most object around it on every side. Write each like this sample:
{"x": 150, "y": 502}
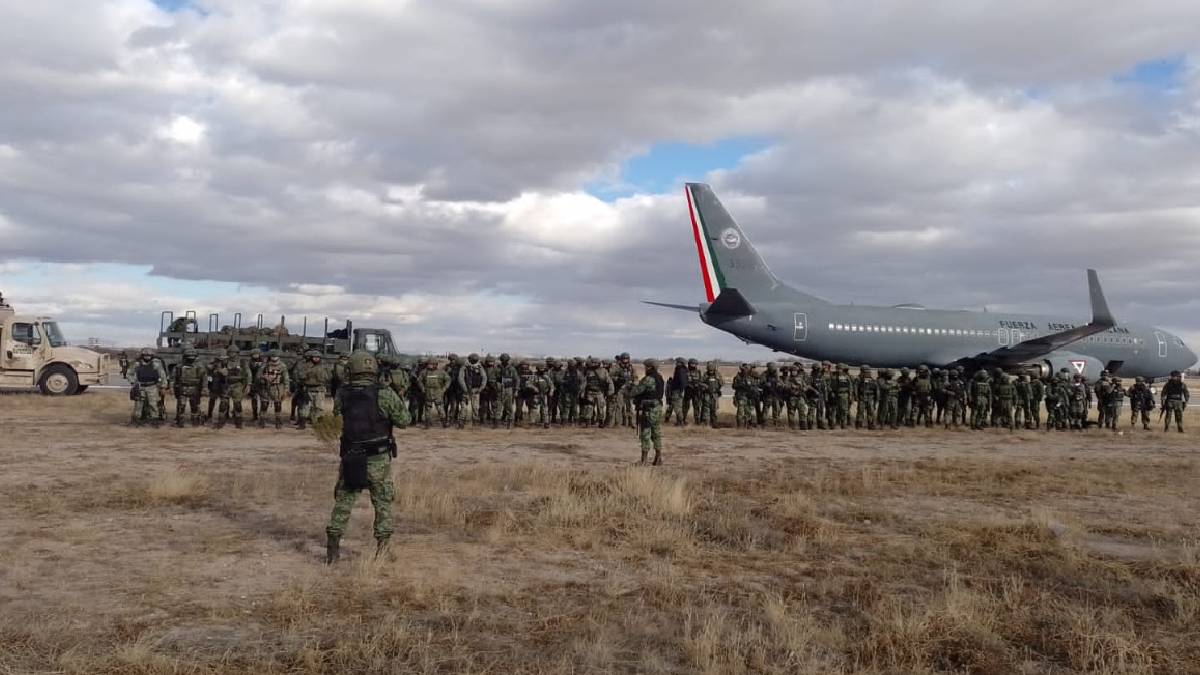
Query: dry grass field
{"x": 199, "y": 551}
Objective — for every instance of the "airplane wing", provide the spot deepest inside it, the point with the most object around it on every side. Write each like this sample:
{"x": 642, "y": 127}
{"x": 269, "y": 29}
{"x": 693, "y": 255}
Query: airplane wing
{"x": 668, "y": 305}
{"x": 1022, "y": 352}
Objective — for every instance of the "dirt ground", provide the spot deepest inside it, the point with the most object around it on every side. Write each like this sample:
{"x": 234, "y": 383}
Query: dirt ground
{"x": 530, "y": 551}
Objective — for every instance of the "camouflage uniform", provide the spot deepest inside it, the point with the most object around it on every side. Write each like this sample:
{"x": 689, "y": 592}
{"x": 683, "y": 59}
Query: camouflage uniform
{"x": 257, "y": 399}
{"x": 339, "y": 374}
{"x": 938, "y": 381}
{"x": 188, "y": 386}
{"x": 433, "y": 384}
{"x": 315, "y": 385}
{"x": 922, "y": 397}
{"x": 1037, "y": 392}
{"x": 843, "y": 395}
{"x": 1081, "y": 397}
{"x": 455, "y": 398}
{"x": 1174, "y": 398}
{"x": 868, "y": 399}
{"x": 954, "y": 392}
{"x": 489, "y": 398}
{"x": 1113, "y": 403}
{"x": 693, "y": 394}
{"x": 366, "y": 439}
{"x": 713, "y": 384}
{"x": 647, "y": 395}
{"x": 474, "y": 377}
{"x": 554, "y": 371}
{"x": 744, "y": 386}
{"x": 509, "y": 380}
{"x": 273, "y": 383}
{"x": 1021, "y": 402}
{"x": 1141, "y": 402}
{"x": 596, "y": 387}
{"x": 1005, "y": 396}
{"x": 568, "y": 397}
{"x": 771, "y": 395}
{"x": 981, "y": 400}
{"x": 818, "y": 393}
{"x": 904, "y": 412}
{"x": 539, "y": 386}
{"x": 619, "y": 406}
{"x": 889, "y": 400}
{"x": 237, "y": 384}
{"x": 148, "y": 377}
{"x": 416, "y": 395}
{"x": 795, "y": 386}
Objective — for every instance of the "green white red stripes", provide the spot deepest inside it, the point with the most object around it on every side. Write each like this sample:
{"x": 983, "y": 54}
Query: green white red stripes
{"x": 709, "y": 272}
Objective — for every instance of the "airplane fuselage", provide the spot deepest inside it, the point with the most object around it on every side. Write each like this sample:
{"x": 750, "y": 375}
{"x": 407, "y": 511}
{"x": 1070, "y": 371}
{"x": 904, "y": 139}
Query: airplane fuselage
{"x": 906, "y": 336}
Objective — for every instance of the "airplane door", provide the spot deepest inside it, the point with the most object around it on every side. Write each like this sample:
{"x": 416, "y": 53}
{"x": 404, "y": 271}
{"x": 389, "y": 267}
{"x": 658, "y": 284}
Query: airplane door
{"x": 1162, "y": 344}
{"x": 800, "y": 333}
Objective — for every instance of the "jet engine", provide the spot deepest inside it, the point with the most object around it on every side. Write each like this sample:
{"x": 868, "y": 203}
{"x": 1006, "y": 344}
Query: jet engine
{"x": 1075, "y": 364}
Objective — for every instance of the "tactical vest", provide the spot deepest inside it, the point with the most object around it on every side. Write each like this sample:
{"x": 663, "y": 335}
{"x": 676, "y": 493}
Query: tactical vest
{"x": 314, "y": 377}
{"x": 867, "y": 389}
{"x": 433, "y": 381}
{"x": 594, "y": 383}
{"x": 190, "y": 375}
{"x": 509, "y": 377}
{"x": 364, "y": 427}
{"x": 1173, "y": 390}
{"x": 654, "y": 396}
{"x": 922, "y": 386}
{"x": 236, "y": 374}
{"x": 474, "y": 376}
{"x": 1005, "y": 391}
{"x": 146, "y": 374}
{"x": 272, "y": 375}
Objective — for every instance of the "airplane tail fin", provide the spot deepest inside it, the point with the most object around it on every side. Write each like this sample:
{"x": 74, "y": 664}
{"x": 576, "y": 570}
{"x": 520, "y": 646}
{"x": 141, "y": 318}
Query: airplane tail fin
{"x": 727, "y": 258}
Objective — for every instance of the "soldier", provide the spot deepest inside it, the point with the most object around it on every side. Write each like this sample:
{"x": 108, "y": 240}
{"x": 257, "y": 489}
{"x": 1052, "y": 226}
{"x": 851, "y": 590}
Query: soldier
{"x": 623, "y": 377}
{"x": 1174, "y": 399}
{"x": 296, "y": 378}
{"x": 540, "y": 386}
{"x": 416, "y": 395}
{"x": 188, "y": 385}
{"x": 1021, "y": 402}
{"x": 474, "y": 377}
{"x": 1141, "y": 402}
{"x": 148, "y": 377}
{"x": 693, "y": 394}
{"x": 817, "y": 392}
{"x": 1063, "y": 394}
{"x": 339, "y": 373}
{"x": 889, "y": 400}
{"x": 456, "y": 391}
{"x": 676, "y": 388}
{"x": 938, "y": 382}
{"x": 610, "y": 399}
{"x": 218, "y": 384}
{"x": 770, "y": 389}
{"x": 434, "y": 383}
{"x": 647, "y": 395}
{"x": 981, "y": 400}
{"x": 922, "y": 397}
{"x": 1037, "y": 392}
{"x": 369, "y": 412}
{"x": 868, "y": 399}
{"x": 1080, "y": 400}
{"x": 1050, "y": 385}
{"x": 273, "y": 382}
{"x": 596, "y": 388}
{"x": 795, "y": 385}
{"x": 1005, "y": 395}
{"x": 713, "y": 384}
{"x": 568, "y": 398}
{"x": 315, "y": 385}
{"x": 843, "y": 394}
{"x": 257, "y": 400}
{"x": 1101, "y": 390}
{"x": 954, "y": 393}
{"x": 905, "y": 385}
{"x": 237, "y": 385}
{"x": 744, "y": 384}
{"x": 1114, "y": 402}
{"x": 554, "y": 371}
{"x": 510, "y": 381}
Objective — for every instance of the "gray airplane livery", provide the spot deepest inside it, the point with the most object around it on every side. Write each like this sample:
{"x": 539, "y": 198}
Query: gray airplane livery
{"x": 745, "y": 299}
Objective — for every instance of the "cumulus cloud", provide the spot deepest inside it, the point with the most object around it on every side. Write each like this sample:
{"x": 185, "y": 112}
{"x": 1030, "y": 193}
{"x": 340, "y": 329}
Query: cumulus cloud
{"x": 425, "y": 164}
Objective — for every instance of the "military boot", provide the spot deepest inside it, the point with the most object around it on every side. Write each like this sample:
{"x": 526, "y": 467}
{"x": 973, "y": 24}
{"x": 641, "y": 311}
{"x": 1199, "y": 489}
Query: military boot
{"x": 382, "y": 546}
{"x": 178, "y": 422}
{"x": 301, "y": 424}
{"x": 642, "y": 461}
{"x": 197, "y": 420}
{"x": 332, "y": 549}
{"x": 262, "y": 422}
{"x": 237, "y": 422}
{"x": 658, "y": 458}
{"x": 278, "y": 422}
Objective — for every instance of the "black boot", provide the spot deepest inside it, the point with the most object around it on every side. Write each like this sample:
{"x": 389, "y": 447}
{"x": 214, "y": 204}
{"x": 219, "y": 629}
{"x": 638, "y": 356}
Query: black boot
{"x": 382, "y": 545}
{"x": 237, "y": 422}
{"x": 642, "y": 462}
{"x": 179, "y": 422}
{"x": 332, "y": 549}
{"x": 301, "y": 424}
{"x": 658, "y": 458}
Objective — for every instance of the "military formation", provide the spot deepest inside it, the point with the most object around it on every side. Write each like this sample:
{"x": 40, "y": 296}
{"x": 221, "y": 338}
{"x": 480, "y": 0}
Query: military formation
{"x": 589, "y": 392}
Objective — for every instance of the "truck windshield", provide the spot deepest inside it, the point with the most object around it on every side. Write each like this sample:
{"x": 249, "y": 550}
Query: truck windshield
{"x": 54, "y": 334}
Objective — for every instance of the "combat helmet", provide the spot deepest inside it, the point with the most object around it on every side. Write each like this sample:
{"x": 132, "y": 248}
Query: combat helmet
{"x": 886, "y": 373}
{"x": 624, "y": 357}
{"x": 473, "y": 358}
{"x": 505, "y": 358}
{"x": 650, "y": 364}
{"x": 146, "y": 353}
{"x": 363, "y": 363}
{"x": 190, "y": 353}
{"x": 1139, "y": 380}
{"x": 679, "y": 361}
{"x": 312, "y": 354}
{"x": 771, "y": 367}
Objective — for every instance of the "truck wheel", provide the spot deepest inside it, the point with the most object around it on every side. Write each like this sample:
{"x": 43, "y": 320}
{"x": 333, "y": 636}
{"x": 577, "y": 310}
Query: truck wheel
{"x": 58, "y": 380}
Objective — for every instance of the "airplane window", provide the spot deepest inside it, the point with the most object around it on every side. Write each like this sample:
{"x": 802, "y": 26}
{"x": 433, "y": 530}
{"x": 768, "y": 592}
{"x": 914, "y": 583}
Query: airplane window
{"x": 830, "y": 326}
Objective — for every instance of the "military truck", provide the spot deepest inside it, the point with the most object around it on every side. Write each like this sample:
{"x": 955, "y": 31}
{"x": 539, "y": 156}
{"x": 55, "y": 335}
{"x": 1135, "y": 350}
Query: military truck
{"x": 176, "y": 331}
{"x": 33, "y": 352}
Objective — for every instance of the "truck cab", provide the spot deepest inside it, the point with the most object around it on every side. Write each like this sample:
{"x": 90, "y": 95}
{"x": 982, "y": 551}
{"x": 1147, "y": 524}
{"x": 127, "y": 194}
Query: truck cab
{"x": 33, "y": 352}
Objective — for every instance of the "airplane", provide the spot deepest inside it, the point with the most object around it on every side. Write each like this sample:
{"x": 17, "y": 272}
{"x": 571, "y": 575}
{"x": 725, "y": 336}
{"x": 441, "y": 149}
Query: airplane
{"x": 746, "y": 299}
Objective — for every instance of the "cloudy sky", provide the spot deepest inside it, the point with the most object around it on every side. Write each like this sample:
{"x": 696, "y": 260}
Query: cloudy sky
{"x": 507, "y": 174}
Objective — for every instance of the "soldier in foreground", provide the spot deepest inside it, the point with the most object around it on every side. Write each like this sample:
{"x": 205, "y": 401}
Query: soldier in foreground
{"x": 188, "y": 386}
{"x": 1174, "y": 400}
{"x": 1141, "y": 402}
{"x": 148, "y": 378}
{"x": 369, "y": 412}
{"x": 647, "y": 395}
